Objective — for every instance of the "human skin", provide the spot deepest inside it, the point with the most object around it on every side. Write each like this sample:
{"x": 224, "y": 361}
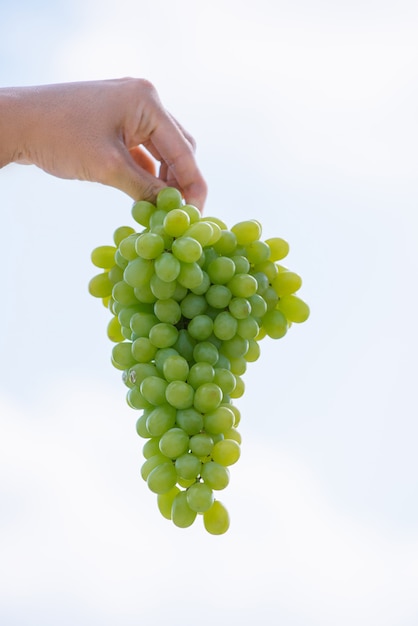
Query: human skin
{"x": 115, "y": 132}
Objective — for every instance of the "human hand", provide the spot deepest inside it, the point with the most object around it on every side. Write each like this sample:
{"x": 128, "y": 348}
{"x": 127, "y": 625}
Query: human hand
{"x": 112, "y": 132}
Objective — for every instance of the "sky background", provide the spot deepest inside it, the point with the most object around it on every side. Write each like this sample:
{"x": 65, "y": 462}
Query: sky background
{"x": 305, "y": 117}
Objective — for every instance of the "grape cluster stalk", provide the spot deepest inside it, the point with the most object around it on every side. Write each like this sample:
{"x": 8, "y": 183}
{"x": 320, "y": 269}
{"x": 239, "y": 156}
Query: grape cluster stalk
{"x": 190, "y": 300}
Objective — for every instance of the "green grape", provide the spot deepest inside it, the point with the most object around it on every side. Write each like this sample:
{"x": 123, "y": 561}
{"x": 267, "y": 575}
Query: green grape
{"x": 186, "y": 249}
{"x": 181, "y": 514}
{"x": 138, "y": 272}
{"x": 169, "y": 199}
{"x": 207, "y": 397}
{"x": 163, "y": 335}
{"x": 161, "y": 355}
{"x": 201, "y": 444}
{"x": 115, "y": 274}
{"x": 258, "y": 305}
{"x": 179, "y": 394}
{"x": 205, "y": 351}
{"x": 138, "y": 372}
{"x": 215, "y": 220}
{"x": 258, "y": 252}
{"x": 225, "y": 326}
{"x": 180, "y": 293}
{"x": 225, "y": 379}
{"x": 188, "y": 466}
{"x": 204, "y": 285}
{"x": 226, "y": 452}
{"x": 121, "y": 233}
{"x": 141, "y": 323}
{"x": 237, "y": 414}
{"x": 218, "y": 296}
{"x": 216, "y": 476}
{"x": 143, "y": 350}
{"x": 167, "y": 267}
{"x": 239, "y": 365}
{"x": 279, "y": 248}
{"x": 142, "y": 211}
{"x": 165, "y": 501}
{"x": 151, "y": 447}
{"x": 135, "y": 399}
{"x": 253, "y": 352}
{"x": 162, "y": 289}
{"x": 120, "y": 260}
{"x": 268, "y": 268}
{"x": 192, "y": 211}
{"x": 201, "y": 231}
{"x": 219, "y": 420}
{"x": 100, "y": 285}
{"x": 275, "y": 324}
{"x": 153, "y": 389}
{"x": 242, "y": 264}
{"x": 114, "y": 330}
{"x": 127, "y": 247}
{"x": 124, "y": 294}
{"x": 174, "y": 443}
{"x": 217, "y": 231}
{"x": 199, "y": 497}
{"x": 161, "y": 419}
{"x": 221, "y": 270}
{"x": 185, "y": 344}
{"x": 239, "y": 390}
{"x": 216, "y": 519}
{"x": 235, "y": 347}
{"x": 243, "y": 285}
{"x": 271, "y": 298}
{"x": 200, "y": 373}
{"x": 247, "y": 232}
{"x": 190, "y": 275}
{"x": 226, "y": 244}
{"x": 141, "y": 426}
{"x": 176, "y": 222}
{"x": 175, "y": 367}
{"x": 200, "y": 327}
{"x": 232, "y": 433}
{"x": 240, "y": 308}
{"x": 162, "y": 478}
{"x": 122, "y": 357}
{"x": 151, "y": 463}
{"x": 192, "y": 305}
{"x": 295, "y": 309}
{"x": 103, "y": 257}
{"x": 248, "y": 328}
{"x": 144, "y": 294}
{"x": 286, "y": 283}
{"x": 149, "y": 245}
{"x": 168, "y": 311}
{"x": 156, "y": 221}
{"x": 190, "y": 420}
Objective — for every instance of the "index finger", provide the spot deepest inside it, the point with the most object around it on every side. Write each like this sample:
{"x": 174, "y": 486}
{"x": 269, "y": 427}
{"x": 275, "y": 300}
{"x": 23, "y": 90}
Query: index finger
{"x": 177, "y": 153}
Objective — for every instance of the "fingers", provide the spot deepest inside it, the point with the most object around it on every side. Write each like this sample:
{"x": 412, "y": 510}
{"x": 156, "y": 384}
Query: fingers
{"x": 174, "y": 148}
{"x": 132, "y": 171}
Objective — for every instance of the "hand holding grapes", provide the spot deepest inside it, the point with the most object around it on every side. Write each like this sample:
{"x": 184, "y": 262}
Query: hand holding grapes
{"x": 110, "y": 132}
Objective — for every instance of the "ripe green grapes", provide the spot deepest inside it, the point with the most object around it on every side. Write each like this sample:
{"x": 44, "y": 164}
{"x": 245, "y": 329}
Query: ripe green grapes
{"x": 190, "y": 300}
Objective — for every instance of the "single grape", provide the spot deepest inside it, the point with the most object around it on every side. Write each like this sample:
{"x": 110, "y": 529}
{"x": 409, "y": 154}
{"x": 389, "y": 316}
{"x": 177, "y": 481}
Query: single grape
{"x": 215, "y": 475}
{"x": 103, "y": 257}
{"x": 216, "y": 519}
{"x": 174, "y": 443}
{"x": 181, "y": 513}
{"x": 199, "y": 497}
{"x": 226, "y": 452}
{"x": 162, "y": 478}
{"x": 165, "y": 501}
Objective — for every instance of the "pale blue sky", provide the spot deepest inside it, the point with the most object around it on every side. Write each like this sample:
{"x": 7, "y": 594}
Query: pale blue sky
{"x": 305, "y": 116}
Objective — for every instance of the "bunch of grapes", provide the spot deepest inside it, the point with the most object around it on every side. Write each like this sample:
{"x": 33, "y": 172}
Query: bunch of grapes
{"x": 190, "y": 300}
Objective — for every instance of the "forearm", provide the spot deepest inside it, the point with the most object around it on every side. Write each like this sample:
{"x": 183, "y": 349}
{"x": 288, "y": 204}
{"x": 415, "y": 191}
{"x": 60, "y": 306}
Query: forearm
{"x": 14, "y": 119}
